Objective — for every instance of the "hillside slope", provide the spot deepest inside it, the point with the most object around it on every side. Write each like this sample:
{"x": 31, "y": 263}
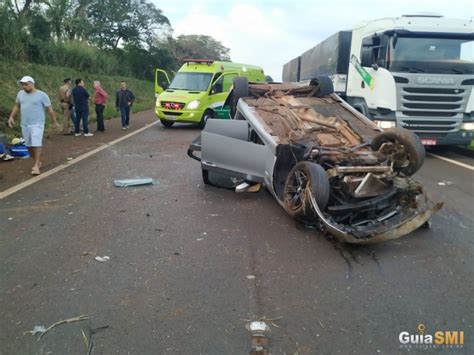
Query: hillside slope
{"x": 50, "y": 78}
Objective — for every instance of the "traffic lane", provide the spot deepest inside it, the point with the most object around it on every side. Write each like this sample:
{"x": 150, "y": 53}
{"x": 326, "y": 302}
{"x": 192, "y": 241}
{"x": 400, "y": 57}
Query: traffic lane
{"x": 318, "y": 287}
{"x": 426, "y": 277}
{"x": 349, "y": 299}
{"x": 177, "y": 280}
{"x": 451, "y": 184}
{"x": 454, "y": 153}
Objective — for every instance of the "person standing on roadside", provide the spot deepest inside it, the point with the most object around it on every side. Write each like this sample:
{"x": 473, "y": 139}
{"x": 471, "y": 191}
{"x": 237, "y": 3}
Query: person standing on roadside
{"x": 123, "y": 101}
{"x": 32, "y": 103}
{"x": 80, "y": 96}
{"x": 66, "y": 104}
{"x": 100, "y": 98}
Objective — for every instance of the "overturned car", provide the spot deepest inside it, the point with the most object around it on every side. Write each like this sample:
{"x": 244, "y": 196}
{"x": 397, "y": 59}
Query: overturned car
{"x": 323, "y": 161}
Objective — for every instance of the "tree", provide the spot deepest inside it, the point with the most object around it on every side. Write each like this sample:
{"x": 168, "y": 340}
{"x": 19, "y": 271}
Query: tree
{"x": 56, "y": 15}
{"x": 128, "y": 21}
{"x": 199, "y": 46}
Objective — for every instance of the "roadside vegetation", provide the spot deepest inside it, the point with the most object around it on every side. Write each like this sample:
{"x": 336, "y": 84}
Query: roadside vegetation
{"x": 49, "y": 78}
{"x": 106, "y": 40}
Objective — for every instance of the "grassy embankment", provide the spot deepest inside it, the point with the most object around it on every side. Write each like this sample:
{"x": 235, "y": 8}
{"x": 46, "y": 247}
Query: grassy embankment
{"x": 50, "y": 78}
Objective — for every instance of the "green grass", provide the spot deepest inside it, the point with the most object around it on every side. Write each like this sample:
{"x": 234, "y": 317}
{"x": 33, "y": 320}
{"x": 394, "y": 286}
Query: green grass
{"x": 50, "y": 78}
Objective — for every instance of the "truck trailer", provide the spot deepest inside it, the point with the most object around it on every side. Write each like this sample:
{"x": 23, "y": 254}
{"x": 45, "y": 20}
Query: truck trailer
{"x": 414, "y": 71}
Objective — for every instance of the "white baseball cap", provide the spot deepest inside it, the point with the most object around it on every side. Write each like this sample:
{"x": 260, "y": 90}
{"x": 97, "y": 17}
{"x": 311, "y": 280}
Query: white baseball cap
{"x": 27, "y": 79}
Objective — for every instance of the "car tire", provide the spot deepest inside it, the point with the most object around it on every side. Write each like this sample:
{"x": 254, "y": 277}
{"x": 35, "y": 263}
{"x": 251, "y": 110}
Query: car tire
{"x": 413, "y": 147}
{"x": 241, "y": 89}
{"x": 166, "y": 123}
{"x": 205, "y": 116}
{"x": 325, "y": 84}
{"x": 303, "y": 175}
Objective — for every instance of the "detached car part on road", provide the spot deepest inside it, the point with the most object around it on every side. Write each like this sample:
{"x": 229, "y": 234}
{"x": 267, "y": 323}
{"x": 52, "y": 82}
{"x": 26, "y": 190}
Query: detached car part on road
{"x": 323, "y": 161}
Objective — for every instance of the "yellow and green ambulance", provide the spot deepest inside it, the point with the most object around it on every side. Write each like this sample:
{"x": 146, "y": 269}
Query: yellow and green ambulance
{"x": 198, "y": 89}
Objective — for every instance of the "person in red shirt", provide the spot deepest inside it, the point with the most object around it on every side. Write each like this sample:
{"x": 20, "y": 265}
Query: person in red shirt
{"x": 100, "y": 98}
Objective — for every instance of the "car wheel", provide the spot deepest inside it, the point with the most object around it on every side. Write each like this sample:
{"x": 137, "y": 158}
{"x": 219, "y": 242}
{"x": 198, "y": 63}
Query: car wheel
{"x": 411, "y": 159}
{"x": 205, "y": 116}
{"x": 166, "y": 123}
{"x": 241, "y": 89}
{"x": 305, "y": 175}
{"x": 325, "y": 85}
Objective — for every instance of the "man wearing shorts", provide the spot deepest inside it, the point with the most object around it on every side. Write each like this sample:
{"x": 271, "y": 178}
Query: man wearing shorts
{"x": 32, "y": 103}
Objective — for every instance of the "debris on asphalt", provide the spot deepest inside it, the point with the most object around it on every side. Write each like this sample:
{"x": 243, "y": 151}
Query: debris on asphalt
{"x": 10, "y": 218}
{"x": 133, "y": 182}
{"x": 259, "y": 340}
{"x": 102, "y": 259}
{"x": 40, "y": 329}
{"x": 250, "y": 277}
{"x": 257, "y": 326}
{"x": 445, "y": 183}
{"x": 88, "y": 339}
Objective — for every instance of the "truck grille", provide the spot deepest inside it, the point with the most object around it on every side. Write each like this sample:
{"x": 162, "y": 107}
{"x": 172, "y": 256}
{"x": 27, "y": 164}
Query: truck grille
{"x": 431, "y": 110}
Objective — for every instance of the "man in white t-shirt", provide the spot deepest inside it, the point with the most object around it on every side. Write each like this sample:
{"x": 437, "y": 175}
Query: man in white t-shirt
{"x": 32, "y": 103}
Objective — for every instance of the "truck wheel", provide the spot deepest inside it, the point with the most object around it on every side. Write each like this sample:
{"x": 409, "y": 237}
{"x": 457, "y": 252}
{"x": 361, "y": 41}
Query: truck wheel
{"x": 241, "y": 89}
{"x": 205, "y": 116}
{"x": 166, "y": 123}
{"x": 325, "y": 85}
{"x": 413, "y": 156}
{"x": 305, "y": 175}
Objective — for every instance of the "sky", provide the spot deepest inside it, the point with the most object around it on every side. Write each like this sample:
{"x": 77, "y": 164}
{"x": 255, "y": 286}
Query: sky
{"x": 270, "y": 33}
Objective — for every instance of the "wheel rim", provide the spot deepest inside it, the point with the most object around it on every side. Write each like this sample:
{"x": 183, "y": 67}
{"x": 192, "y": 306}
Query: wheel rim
{"x": 296, "y": 188}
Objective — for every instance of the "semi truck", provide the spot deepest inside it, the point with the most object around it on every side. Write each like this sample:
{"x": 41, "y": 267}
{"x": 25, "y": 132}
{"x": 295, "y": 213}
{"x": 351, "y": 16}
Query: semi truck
{"x": 415, "y": 71}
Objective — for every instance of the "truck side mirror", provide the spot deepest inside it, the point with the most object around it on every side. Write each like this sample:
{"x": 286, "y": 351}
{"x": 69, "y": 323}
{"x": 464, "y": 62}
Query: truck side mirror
{"x": 367, "y": 56}
{"x": 164, "y": 85}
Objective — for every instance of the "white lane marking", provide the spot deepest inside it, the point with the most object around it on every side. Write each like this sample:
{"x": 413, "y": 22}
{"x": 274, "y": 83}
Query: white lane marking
{"x": 44, "y": 175}
{"x": 470, "y": 167}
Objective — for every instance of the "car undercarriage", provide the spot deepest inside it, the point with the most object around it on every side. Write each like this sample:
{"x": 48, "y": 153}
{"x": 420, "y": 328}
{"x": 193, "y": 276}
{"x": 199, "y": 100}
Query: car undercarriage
{"x": 332, "y": 166}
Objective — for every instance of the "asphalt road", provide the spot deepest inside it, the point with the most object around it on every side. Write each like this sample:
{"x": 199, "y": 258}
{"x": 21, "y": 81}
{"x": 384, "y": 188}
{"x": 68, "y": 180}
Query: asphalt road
{"x": 190, "y": 265}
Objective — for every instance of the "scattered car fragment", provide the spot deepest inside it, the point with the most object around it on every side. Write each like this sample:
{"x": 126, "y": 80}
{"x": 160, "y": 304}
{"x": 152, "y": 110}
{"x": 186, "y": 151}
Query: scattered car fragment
{"x": 323, "y": 161}
{"x": 133, "y": 182}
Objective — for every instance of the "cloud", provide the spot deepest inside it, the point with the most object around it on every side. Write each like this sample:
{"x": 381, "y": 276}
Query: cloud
{"x": 252, "y": 35}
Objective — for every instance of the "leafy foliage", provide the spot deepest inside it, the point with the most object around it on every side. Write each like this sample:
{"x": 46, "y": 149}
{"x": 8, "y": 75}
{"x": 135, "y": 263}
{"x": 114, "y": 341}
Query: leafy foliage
{"x": 125, "y": 37}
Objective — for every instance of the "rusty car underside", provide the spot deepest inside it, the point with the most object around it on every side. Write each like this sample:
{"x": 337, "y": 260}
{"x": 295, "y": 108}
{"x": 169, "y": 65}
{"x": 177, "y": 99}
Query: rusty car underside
{"x": 372, "y": 194}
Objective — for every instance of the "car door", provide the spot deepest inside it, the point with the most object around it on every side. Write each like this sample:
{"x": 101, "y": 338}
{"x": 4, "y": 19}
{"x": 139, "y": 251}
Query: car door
{"x": 162, "y": 81}
{"x": 220, "y": 89}
{"x": 225, "y": 148}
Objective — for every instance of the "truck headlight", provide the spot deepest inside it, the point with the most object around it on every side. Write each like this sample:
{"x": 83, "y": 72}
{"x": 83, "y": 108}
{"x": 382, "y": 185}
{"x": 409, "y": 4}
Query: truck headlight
{"x": 385, "y": 124}
{"x": 194, "y": 104}
{"x": 158, "y": 103}
{"x": 468, "y": 126}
